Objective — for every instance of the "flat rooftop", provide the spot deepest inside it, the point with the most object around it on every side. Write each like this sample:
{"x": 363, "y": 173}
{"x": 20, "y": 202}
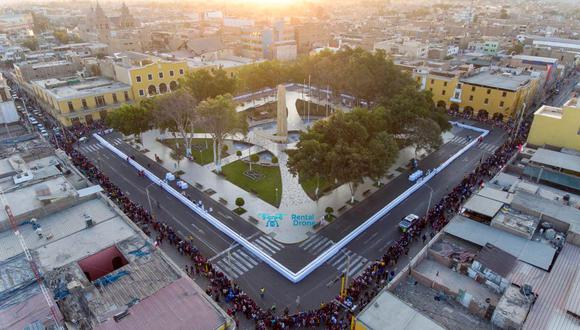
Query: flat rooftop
{"x": 69, "y": 240}
{"x": 497, "y": 80}
{"x": 387, "y": 312}
{"x": 549, "y": 111}
{"x": 537, "y": 59}
{"x": 63, "y": 89}
{"x": 557, "y": 159}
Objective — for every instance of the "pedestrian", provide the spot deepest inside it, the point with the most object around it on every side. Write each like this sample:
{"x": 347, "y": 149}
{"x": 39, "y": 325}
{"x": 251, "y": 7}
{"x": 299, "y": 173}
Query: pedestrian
{"x": 424, "y": 238}
{"x": 262, "y": 290}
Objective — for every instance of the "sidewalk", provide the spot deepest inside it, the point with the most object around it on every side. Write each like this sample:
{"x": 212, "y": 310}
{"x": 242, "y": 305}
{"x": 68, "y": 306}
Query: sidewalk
{"x": 295, "y": 203}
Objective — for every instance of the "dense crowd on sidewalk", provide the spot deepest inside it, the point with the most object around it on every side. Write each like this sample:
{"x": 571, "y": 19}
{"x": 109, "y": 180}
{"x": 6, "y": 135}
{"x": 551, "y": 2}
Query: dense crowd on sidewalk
{"x": 361, "y": 290}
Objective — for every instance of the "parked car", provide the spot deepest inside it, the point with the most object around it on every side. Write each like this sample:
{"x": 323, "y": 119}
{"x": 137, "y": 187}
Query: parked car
{"x": 408, "y": 222}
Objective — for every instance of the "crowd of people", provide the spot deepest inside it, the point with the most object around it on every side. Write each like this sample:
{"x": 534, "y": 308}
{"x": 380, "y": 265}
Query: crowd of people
{"x": 361, "y": 289}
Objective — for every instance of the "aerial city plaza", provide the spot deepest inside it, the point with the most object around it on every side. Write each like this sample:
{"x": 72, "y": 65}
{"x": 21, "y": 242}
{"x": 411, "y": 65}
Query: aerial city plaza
{"x": 289, "y": 164}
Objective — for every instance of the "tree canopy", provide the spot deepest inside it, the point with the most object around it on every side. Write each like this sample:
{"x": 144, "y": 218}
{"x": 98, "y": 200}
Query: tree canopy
{"x": 203, "y": 84}
{"x": 177, "y": 112}
{"x": 131, "y": 119}
{"x": 220, "y": 118}
{"x": 345, "y": 148}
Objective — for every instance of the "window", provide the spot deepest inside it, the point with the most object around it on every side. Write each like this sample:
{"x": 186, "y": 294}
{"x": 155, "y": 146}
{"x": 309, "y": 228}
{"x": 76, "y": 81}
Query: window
{"x": 445, "y": 83}
{"x": 473, "y": 88}
{"x": 160, "y": 75}
{"x": 85, "y": 106}
{"x": 503, "y": 94}
{"x": 115, "y": 98}
{"x": 181, "y": 72}
{"x": 138, "y": 78}
{"x": 71, "y": 107}
{"x": 443, "y": 92}
{"x": 486, "y": 101}
{"x": 432, "y": 81}
{"x": 471, "y": 97}
{"x": 501, "y": 104}
{"x": 171, "y": 73}
{"x": 489, "y": 91}
{"x": 126, "y": 96}
{"x": 149, "y": 76}
{"x": 141, "y": 92}
{"x": 431, "y": 89}
{"x": 100, "y": 101}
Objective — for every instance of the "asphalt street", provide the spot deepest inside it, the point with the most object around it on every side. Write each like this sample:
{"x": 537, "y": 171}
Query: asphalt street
{"x": 246, "y": 269}
{"x": 321, "y": 285}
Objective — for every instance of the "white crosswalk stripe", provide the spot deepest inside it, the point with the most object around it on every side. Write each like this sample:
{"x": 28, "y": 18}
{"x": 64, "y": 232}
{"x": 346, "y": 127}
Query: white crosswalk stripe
{"x": 316, "y": 244}
{"x": 117, "y": 141}
{"x": 346, "y": 258}
{"x": 482, "y": 146}
{"x": 236, "y": 262}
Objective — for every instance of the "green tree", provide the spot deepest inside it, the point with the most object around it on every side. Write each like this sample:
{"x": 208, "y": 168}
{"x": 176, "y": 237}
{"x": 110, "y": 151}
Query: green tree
{"x": 503, "y": 14}
{"x": 239, "y": 154}
{"x": 424, "y": 134}
{"x": 240, "y": 202}
{"x": 203, "y": 84}
{"x": 31, "y": 43}
{"x": 516, "y": 48}
{"x": 345, "y": 150}
{"x": 131, "y": 119}
{"x": 274, "y": 160}
{"x": 220, "y": 118}
{"x": 177, "y": 113}
{"x": 40, "y": 23}
{"x": 177, "y": 155}
{"x": 62, "y": 36}
{"x": 254, "y": 158}
{"x": 329, "y": 213}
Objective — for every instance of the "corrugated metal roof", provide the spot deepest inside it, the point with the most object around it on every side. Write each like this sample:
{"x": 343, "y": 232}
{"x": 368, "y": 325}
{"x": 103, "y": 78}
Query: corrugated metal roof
{"x": 535, "y": 253}
{"x": 555, "y": 290}
{"x": 496, "y": 259}
{"x": 573, "y": 303}
{"x": 177, "y": 306}
{"x": 556, "y": 159}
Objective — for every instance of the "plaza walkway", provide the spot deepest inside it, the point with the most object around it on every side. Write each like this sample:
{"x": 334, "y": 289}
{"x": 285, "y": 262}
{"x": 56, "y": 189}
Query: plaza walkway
{"x": 294, "y": 200}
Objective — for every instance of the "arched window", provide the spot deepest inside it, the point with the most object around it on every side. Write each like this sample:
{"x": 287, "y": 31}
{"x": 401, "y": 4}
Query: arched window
{"x": 162, "y": 88}
{"x": 173, "y": 85}
{"x": 152, "y": 90}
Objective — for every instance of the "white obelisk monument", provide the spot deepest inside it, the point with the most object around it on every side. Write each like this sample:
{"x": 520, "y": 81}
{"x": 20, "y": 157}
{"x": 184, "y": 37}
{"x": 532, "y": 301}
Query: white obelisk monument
{"x": 282, "y": 118}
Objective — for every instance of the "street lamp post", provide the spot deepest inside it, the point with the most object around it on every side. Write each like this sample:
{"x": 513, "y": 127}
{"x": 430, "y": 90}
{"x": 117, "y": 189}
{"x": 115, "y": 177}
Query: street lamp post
{"x": 149, "y": 198}
{"x": 428, "y": 204}
{"x": 344, "y": 282}
{"x": 276, "y": 194}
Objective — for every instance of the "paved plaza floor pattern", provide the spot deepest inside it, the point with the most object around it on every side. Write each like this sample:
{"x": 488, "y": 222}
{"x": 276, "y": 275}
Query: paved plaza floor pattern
{"x": 237, "y": 261}
{"x": 482, "y": 146}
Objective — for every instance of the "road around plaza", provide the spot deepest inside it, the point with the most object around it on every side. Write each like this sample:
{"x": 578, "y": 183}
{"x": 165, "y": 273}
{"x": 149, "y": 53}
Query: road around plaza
{"x": 246, "y": 269}
{"x": 321, "y": 285}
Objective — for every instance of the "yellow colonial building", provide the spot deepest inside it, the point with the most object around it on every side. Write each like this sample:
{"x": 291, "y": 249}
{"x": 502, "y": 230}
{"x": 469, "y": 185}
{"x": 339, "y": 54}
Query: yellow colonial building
{"x": 147, "y": 75}
{"x": 559, "y": 127}
{"x": 487, "y": 93}
{"x": 81, "y": 100}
